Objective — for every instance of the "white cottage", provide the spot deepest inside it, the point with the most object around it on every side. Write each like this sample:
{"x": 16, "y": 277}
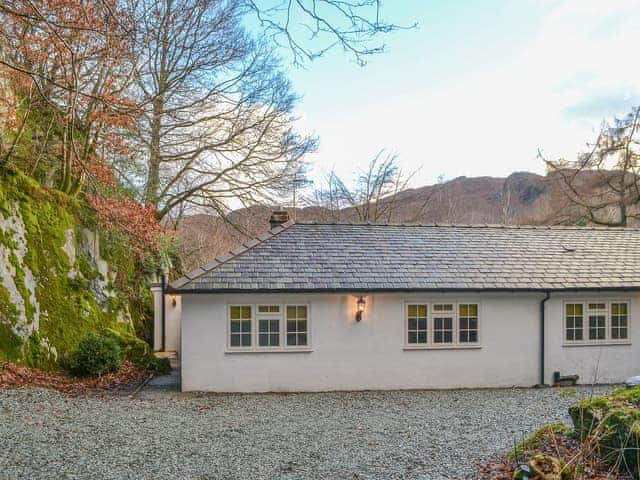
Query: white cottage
{"x": 316, "y": 307}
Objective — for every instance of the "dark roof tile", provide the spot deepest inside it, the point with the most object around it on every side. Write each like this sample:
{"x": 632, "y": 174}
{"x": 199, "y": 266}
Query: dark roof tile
{"x": 400, "y": 257}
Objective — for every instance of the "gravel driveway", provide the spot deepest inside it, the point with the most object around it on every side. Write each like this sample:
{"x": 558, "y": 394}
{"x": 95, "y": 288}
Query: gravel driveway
{"x": 368, "y": 435}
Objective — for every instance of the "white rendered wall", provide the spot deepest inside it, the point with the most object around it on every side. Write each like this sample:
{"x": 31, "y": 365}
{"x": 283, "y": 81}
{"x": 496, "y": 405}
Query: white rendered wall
{"x": 594, "y": 363}
{"x": 368, "y": 355}
{"x": 173, "y": 318}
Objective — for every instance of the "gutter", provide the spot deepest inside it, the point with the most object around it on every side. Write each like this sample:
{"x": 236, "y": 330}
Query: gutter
{"x": 542, "y": 343}
{"x": 183, "y": 291}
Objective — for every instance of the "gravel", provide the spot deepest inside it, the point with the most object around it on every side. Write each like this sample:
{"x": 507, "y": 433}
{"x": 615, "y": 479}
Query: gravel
{"x": 359, "y": 435}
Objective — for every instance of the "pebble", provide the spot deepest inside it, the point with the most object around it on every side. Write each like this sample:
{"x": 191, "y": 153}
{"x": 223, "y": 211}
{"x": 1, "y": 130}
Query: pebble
{"x": 349, "y": 435}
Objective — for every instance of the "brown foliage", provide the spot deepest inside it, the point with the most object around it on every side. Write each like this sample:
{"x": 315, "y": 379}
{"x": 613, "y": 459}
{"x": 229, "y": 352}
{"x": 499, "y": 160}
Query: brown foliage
{"x": 14, "y": 376}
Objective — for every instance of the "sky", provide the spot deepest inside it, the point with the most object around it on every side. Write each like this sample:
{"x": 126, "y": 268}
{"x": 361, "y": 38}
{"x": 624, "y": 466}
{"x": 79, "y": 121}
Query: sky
{"x": 477, "y": 89}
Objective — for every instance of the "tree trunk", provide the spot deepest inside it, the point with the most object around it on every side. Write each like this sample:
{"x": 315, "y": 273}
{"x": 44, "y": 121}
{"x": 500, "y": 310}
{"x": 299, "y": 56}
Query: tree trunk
{"x": 153, "y": 176}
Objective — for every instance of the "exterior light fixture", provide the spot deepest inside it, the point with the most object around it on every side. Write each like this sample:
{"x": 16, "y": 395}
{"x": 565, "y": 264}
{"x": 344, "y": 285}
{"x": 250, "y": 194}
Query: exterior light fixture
{"x": 359, "y": 308}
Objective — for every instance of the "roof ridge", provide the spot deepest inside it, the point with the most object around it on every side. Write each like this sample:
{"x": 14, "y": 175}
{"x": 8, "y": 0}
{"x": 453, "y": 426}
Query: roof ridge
{"x": 471, "y": 225}
{"x": 233, "y": 253}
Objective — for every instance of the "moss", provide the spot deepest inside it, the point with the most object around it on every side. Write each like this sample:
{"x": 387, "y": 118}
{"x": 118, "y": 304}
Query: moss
{"x": 137, "y": 351}
{"x": 10, "y": 343}
{"x": 532, "y": 444}
{"x": 614, "y": 422}
{"x": 21, "y": 285}
{"x": 36, "y": 355}
{"x": 69, "y": 309}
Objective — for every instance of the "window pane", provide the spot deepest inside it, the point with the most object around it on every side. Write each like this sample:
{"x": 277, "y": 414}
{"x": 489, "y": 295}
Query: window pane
{"x": 619, "y": 321}
{"x": 275, "y": 325}
{"x": 291, "y": 312}
{"x": 268, "y": 309}
{"x": 263, "y": 340}
{"x": 246, "y": 339}
{"x": 235, "y": 312}
{"x": 245, "y": 326}
{"x": 291, "y": 326}
{"x": 416, "y": 324}
{"x": 235, "y": 340}
{"x": 235, "y": 326}
{"x": 263, "y": 325}
{"x": 468, "y": 323}
{"x": 302, "y": 339}
{"x": 291, "y": 339}
{"x": 246, "y": 312}
{"x": 274, "y": 339}
{"x": 597, "y": 329}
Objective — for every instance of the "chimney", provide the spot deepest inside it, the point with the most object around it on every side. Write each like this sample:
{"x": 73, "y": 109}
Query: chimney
{"x": 278, "y": 217}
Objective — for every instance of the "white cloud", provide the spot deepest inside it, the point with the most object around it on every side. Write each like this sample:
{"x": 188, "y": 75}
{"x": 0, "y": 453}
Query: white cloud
{"x": 580, "y": 65}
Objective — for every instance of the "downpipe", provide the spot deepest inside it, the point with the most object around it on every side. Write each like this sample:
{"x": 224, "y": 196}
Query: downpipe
{"x": 542, "y": 336}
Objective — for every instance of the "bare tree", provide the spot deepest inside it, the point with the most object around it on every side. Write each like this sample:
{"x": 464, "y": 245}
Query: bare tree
{"x": 309, "y": 28}
{"x": 219, "y": 123}
{"x": 373, "y": 197}
{"x": 604, "y": 181}
{"x": 67, "y": 63}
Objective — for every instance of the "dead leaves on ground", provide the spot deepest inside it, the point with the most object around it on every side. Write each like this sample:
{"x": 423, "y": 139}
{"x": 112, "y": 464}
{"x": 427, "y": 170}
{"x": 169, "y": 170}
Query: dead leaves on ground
{"x": 15, "y": 376}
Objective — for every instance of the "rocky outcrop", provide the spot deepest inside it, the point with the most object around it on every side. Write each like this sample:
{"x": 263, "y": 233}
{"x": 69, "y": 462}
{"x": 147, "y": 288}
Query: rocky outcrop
{"x": 55, "y": 285}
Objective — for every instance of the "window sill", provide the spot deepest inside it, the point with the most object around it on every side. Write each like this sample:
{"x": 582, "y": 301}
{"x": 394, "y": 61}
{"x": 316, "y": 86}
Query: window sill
{"x": 270, "y": 350}
{"x": 442, "y": 347}
{"x": 608, "y": 343}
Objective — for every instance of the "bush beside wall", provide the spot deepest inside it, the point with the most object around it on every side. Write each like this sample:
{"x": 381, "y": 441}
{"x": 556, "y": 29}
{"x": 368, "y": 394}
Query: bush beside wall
{"x": 613, "y": 422}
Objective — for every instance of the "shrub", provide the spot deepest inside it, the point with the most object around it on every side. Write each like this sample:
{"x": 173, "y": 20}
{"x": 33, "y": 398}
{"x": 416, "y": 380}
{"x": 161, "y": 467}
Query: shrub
{"x": 613, "y": 423}
{"x": 139, "y": 352}
{"x": 95, "y": 355}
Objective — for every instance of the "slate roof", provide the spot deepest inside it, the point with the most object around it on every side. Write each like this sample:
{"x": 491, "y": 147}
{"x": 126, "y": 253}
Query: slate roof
{"x": 372, "y": 257}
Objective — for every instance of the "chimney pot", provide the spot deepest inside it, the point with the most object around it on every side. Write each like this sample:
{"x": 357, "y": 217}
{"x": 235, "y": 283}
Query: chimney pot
{"x": 278, "y": 217}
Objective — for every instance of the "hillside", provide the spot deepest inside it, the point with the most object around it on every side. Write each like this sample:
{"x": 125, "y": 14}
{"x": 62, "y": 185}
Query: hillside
{"x": 519, "y": 199}
{"x": 60, "y": 276}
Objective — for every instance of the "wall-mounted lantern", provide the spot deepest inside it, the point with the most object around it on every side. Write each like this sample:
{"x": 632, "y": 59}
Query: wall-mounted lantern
{"x": 359, "y": 308}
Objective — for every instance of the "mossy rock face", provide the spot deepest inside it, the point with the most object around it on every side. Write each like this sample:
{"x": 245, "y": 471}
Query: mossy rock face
{"x": 62, "y": 303}
{"x": 614, "y": 422}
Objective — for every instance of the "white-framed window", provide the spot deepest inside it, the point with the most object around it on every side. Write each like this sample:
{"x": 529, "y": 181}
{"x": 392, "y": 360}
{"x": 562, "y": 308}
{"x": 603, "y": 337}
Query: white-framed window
{"x": 596, "y": 321}
{"x": 442, "y": 324}
{"x": 619, "y": 320}
{"x": 297, "y": 326}
{"x": 468, "y": 321}
{"x": 268, "y": 327}
{"x": 268, "y": 324}
{"x": 240, "y": 326}
{"x": 443, "y": 316}
{"x": 417, "y": 333}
